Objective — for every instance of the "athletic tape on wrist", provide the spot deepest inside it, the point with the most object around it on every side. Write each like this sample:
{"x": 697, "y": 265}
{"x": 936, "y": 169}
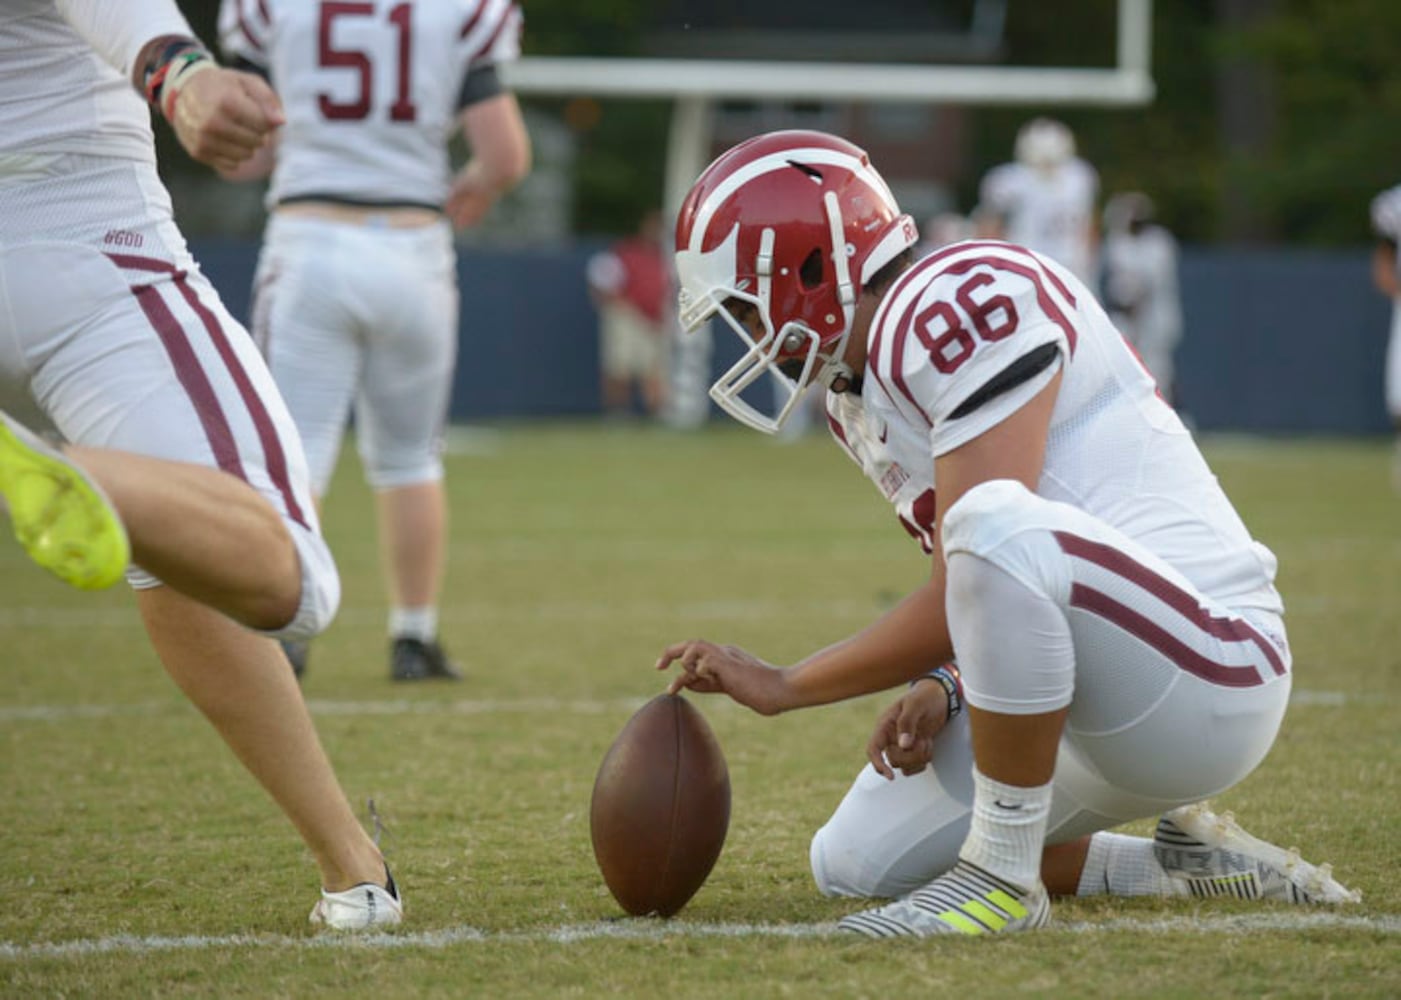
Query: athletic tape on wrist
{"x": 181, "y": 70}
{"x": 160, "y": 62}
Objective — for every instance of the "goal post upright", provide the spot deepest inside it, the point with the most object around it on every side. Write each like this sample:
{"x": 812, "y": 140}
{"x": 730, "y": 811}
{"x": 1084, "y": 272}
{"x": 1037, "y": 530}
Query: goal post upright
{"x": 694, "y": 85}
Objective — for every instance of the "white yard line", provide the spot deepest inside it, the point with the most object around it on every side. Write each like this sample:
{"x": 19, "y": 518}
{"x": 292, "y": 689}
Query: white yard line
{"x": 1292, "y": 921}
{"x": 320, "y": 706}
{"x": 486, "y": 706}
{"x": 478, "y": 612}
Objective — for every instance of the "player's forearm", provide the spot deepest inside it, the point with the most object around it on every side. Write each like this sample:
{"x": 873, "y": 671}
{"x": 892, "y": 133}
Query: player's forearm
{"x": 905, "y": 643}
{"x": 501, "y": 151}
{"x": 123, "y": 33}
{"x": 1384, "y": 270}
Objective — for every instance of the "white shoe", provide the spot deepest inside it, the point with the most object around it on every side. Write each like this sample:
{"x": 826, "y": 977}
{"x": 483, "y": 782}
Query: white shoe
{"x": 966, "y": 900}
{"x": 360, "y": 907}
{"x": 1215, "y": 857}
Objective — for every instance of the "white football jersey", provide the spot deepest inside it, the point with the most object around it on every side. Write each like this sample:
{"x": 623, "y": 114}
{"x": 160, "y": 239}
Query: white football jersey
{"x": 64, "y": 84}
{"x": 370, "y": 89}
{"x": 1050, "y": 211}
{"x": 961, "y": 316}
{"x": 1140, "y": 278}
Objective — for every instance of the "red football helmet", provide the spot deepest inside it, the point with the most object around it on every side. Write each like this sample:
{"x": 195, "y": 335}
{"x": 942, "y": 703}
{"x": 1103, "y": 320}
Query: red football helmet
{"x": 794, "y": 224}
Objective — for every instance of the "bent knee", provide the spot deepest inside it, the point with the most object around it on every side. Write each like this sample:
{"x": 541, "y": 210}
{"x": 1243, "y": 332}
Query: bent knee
{"x": 845, "y": 867}
{"x": 318, "y": 590}
{"x": 835, "y": 868}
{"x": 989, "y": 511}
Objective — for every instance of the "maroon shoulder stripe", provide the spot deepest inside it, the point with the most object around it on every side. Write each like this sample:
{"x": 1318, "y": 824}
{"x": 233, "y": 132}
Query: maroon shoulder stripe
{"x": 471, "y": 22}
{"x": 998, "y": 256}
{"x": 1048, "y": 305}
{"x": 506, "y": 19}
{"x": 897, "y": 353}
{"x": 1184, "y": 603}
{"x": 1011, "y": 249}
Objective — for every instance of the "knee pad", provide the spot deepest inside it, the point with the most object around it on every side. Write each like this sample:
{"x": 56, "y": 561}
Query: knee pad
{"x": 831, "y": 869}
{"x": 840, "y": 869}
{"x": 1002, "y": 522}
{"x": 1008, "y": 584}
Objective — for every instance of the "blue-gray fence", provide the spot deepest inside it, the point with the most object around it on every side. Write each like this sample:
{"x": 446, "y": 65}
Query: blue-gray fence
{"x": 1277, "y": 340}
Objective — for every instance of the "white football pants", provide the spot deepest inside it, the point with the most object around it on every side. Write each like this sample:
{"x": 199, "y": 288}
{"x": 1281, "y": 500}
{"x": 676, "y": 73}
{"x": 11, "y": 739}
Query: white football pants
{"x": 1175, "y": 697}
{"x": 363, "y": 314}
{"x": 109, "y": 331}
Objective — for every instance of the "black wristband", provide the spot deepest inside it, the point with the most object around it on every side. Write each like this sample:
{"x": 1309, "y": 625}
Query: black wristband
{"x": 948, "y": 678}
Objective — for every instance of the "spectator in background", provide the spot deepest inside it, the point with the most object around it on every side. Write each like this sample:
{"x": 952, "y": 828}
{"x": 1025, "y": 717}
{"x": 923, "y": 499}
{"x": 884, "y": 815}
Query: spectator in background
{"x": 355, "y": 299}
{"x": 1386, "y": 221}
{"x": 630, "y": 284}
{"x": 1139, "y": 286}
{"x": 1045, "y": 199}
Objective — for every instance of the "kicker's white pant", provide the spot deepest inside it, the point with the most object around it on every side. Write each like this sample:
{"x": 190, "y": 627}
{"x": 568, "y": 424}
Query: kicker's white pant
{"x": 362, "y": 314}
{"x": 110, "y": 332}
{"x": 1393, "y": 365}
{"x": 1176, "y": 697}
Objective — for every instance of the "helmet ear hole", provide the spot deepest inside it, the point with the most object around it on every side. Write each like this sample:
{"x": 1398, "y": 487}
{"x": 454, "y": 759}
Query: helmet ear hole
{"x": 810, "y": 273}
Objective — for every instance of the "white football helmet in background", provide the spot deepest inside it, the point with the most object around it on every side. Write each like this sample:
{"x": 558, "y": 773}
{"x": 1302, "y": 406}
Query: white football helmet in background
{"x": 1044, "y": 144}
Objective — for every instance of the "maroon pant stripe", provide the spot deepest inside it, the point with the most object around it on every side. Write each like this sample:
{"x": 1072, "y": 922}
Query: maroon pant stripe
{"x": 273, "y": 454}
{"x": 1160, "y": 639}
{"x": 1184, "y": 603}
{"x": 135, "y": 262}
{"x": 192, "y": 378}
{"x": 196, "y": 383}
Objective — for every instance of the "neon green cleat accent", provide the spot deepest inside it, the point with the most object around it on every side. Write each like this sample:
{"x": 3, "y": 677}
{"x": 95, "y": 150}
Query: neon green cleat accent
{"x": 964, "y": 900}
{"x": 61, "y": 517}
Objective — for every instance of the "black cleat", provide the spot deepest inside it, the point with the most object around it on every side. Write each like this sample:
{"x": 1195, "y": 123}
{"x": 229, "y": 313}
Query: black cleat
{"x": 416, "y": 660}
{"x": 297, "y": 654}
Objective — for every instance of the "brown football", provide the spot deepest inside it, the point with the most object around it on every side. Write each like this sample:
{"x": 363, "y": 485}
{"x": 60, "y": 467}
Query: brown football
{"x": 661, "y": 807}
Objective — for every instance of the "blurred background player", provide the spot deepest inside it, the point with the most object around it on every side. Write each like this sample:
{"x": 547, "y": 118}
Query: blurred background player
{"x": 1139, "y": 284}
{"x": 630, "y": 285}
{"x": 1386, "y": 275}
{"x": 179, "y": 439}
{"x": 1120, "y": 642}
{"x": 940, "y": 230}
{"x": 355, "y": 297}
{"x": 1045, "y": 199}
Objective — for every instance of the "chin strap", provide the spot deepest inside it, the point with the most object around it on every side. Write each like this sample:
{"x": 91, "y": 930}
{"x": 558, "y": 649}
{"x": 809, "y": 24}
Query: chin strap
{"x": 836, "y": 367}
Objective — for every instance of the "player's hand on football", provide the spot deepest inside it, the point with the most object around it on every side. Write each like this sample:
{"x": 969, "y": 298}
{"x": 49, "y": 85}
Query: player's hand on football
{"x": 904, "y": 735}
{"x": 222, "y": 117}
{"x": 711, "y": 669}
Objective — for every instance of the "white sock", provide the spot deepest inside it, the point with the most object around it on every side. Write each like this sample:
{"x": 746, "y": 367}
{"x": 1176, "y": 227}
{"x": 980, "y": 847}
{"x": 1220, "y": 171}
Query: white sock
{"x": 1119, "y": 865}
{"x": 1008, "y": 832}
{"x": 414, "y": 623}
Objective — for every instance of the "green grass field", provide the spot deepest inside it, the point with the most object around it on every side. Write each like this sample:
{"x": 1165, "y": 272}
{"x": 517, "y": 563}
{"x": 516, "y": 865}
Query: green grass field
{"x": 140, "y": 860}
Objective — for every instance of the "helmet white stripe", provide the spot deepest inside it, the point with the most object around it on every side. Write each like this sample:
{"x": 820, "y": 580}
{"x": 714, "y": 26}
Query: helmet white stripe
{"x": 815, "y": 155}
